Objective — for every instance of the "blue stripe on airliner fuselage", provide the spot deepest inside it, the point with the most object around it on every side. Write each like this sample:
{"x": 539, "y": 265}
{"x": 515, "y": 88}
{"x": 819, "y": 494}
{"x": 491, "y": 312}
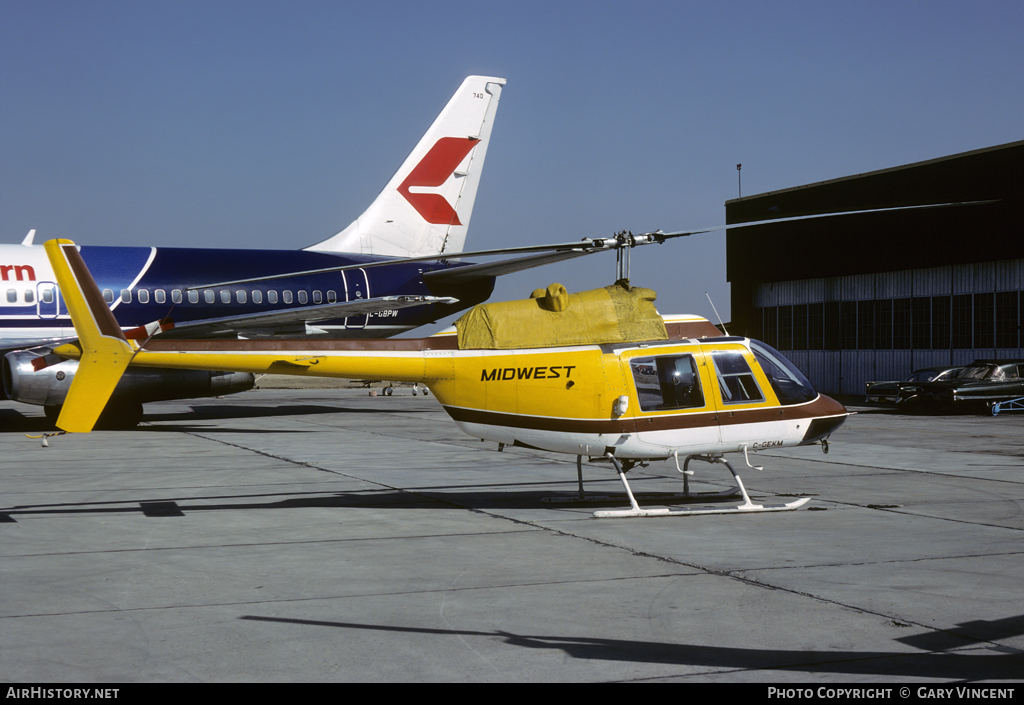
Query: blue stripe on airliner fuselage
{"x": 116, "y": 268}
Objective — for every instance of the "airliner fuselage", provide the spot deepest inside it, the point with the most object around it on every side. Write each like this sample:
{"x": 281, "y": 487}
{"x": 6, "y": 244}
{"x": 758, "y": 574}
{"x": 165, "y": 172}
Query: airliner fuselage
{"x": 144, "y": 284}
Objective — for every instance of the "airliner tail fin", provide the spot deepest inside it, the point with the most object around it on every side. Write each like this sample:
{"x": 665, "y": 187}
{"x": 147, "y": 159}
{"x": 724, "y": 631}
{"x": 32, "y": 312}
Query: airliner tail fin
{"x": 426, "y": 207}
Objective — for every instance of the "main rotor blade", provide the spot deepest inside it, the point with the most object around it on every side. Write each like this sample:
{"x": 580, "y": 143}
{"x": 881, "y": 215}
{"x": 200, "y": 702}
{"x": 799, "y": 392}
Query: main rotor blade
{"x": 732, "y": 226}
{"x": 584, "y": 246}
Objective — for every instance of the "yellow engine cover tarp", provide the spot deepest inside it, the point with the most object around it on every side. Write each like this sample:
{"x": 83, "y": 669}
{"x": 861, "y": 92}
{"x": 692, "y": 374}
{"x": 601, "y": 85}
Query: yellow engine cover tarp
{"x": 553, "y": 317}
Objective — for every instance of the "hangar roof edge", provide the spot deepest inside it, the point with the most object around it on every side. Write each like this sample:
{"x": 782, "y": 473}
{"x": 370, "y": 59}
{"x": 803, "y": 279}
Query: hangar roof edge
{"x": 840, "y": 179}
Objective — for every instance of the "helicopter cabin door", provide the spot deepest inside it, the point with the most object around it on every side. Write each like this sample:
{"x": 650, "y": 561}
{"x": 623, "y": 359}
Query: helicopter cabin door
{"x": 747, "y": 412}
{"x": 677, "y": 413}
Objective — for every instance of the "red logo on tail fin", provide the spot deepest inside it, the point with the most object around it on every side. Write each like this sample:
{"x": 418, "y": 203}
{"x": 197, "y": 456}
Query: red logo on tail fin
{"x": 432, "y": 171}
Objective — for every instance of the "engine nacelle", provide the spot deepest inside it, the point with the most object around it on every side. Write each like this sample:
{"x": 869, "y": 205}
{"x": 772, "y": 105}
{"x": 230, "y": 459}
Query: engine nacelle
{"x": 49, "y": 386}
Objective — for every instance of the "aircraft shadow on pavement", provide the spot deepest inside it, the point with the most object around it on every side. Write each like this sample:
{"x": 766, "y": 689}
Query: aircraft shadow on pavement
{"x": 12, "y": 420}
{"x": 506, "y": 496}
{"x": 958, "y": 665}
{"x": 238, "y": 412}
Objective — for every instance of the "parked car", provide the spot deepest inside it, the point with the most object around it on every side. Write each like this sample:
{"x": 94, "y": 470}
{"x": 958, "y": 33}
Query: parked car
{"x": 890, "y": 391}
{"x": 981, "y": 384}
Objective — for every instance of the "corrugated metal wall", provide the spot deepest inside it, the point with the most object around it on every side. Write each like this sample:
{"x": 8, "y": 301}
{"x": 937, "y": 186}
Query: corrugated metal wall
{"x": 845, "y": 370}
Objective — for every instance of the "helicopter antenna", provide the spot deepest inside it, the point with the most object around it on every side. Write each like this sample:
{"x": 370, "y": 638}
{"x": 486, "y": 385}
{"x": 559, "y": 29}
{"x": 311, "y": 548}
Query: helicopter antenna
{"x": 720, "y": 322}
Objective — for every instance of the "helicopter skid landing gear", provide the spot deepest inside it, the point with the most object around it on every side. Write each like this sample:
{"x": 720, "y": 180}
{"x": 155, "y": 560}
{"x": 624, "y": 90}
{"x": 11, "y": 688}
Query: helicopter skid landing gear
{"x": 581, "y": 497}
{"x": 747, "y": 507}
{"x": 686, "y": 472}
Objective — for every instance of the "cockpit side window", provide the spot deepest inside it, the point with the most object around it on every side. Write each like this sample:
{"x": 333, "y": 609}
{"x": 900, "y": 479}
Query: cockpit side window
{"x": 735, "y": 378}
{"x": 788, "y": 382}
{"x": 667, "y": 382}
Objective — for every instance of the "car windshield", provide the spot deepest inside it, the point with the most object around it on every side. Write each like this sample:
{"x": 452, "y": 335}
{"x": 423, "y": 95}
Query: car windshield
{"x": 932, "y": 375}
{"x": 990, "y": 372}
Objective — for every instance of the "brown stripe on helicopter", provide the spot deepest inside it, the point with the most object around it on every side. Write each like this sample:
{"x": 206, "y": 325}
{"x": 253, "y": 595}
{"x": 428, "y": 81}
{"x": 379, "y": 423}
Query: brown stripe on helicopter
{"x": 822, "y": 406}
{"x": 568, "y": 425}
{"x": 539, "y": 423}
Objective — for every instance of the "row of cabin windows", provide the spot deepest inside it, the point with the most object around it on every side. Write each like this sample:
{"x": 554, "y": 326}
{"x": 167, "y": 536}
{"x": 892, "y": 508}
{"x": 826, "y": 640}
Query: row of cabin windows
{"x": 987, "y": 320}
{"x": 177, "y": 296}
{"x": 210, "y": 296}
{"x": 30, "y": 296}
{"x": 45, "y": 296}
{"x": 673, "y": 382}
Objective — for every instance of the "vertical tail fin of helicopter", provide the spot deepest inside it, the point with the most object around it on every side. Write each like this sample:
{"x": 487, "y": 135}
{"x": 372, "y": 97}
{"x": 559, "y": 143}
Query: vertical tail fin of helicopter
{"x": 105, "y": 353}
{"x": 426, "y": 207}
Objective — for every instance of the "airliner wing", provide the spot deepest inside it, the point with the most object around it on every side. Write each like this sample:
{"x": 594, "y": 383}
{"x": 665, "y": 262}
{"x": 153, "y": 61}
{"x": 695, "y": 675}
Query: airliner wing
{"x": 463, "y": 275}
{"x": 292, "y": 318}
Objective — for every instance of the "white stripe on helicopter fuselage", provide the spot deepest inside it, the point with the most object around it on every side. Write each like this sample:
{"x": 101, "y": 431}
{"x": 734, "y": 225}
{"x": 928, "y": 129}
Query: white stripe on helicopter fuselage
{"x": 641, "y": 444}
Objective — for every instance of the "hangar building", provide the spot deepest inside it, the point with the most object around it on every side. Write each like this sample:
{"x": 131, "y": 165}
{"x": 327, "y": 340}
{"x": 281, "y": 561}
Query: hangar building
{"x": 875, "y": 296}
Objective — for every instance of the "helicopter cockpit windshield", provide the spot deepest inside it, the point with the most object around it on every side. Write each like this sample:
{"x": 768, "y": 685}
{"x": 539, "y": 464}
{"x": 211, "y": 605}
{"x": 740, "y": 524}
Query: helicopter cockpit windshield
{"x": 790, "y": 385}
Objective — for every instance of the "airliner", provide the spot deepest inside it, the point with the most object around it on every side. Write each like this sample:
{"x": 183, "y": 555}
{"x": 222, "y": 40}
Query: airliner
{"x": 389, "y": 271}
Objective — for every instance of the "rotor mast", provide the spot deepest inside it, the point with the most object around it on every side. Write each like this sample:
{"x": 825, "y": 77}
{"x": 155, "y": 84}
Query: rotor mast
{"x": 623, "y": 242}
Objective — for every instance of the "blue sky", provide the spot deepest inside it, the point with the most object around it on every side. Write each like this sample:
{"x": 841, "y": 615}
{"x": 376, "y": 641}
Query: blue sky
{"x": 274, "y": 124}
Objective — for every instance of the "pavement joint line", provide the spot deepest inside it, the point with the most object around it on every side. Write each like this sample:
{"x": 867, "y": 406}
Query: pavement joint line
{"x": 900, "y": 561}
{"x": 896, "y": 510}
{"x": 891, "y": 471}
{"x": 604, "y": 543}
{"x": 260, "y": 544}
{"x": 352, "y": 596}
{"x": 759, "y": 579}
{"x": 549, "y": 528}
{"x": 902, "y": 622}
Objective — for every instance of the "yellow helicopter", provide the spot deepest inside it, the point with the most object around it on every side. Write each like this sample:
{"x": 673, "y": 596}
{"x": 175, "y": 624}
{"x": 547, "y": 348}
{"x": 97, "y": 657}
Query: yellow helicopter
{"x": 599, "y": 374}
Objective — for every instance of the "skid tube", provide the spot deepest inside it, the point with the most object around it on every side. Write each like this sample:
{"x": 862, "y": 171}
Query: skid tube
{"x": 747, "y": 507}
{"x": 1008, "y": 405}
